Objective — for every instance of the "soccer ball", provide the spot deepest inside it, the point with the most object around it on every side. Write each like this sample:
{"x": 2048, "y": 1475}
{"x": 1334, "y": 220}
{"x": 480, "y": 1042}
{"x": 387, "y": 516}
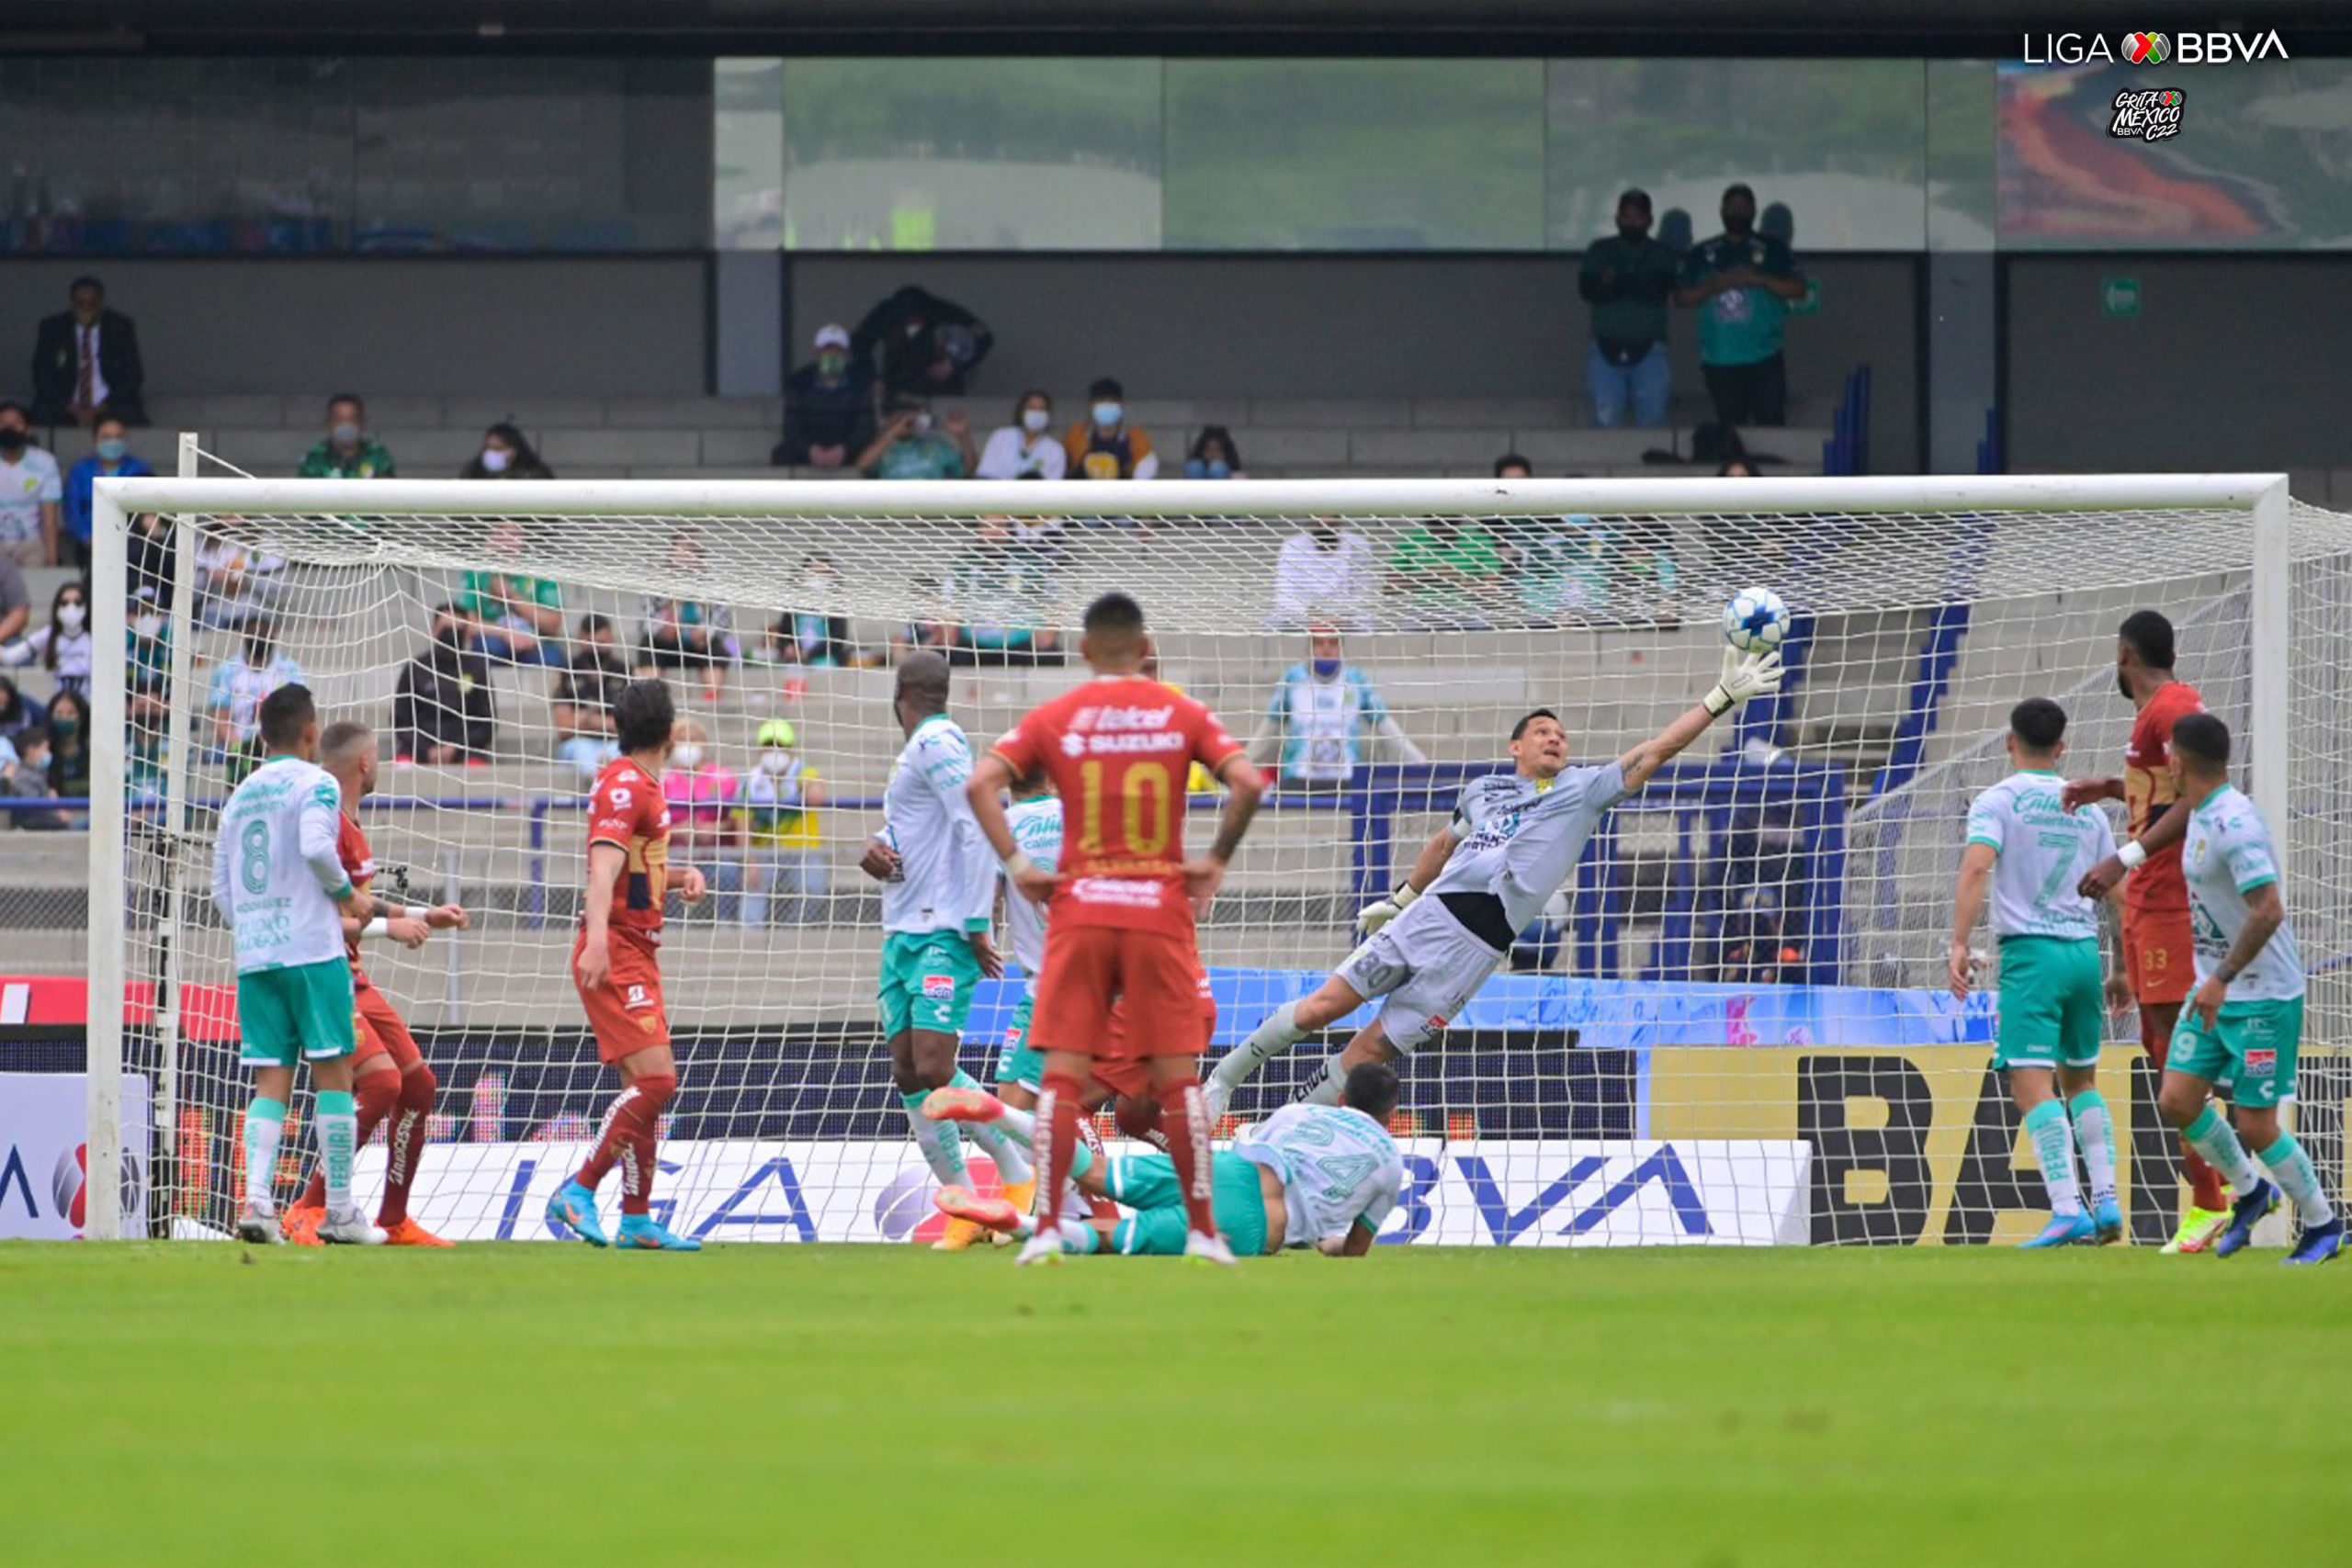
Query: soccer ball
{"x": 1754, "y": 621}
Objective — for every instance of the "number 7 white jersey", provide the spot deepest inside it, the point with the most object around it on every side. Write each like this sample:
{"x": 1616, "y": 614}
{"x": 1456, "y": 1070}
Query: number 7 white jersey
{"x": 1338, "y": 1165}
{"x": 2043, "y": 850}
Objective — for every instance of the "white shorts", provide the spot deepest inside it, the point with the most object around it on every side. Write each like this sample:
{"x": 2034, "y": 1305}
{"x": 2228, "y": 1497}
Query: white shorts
{"x": 1427, "y": 966}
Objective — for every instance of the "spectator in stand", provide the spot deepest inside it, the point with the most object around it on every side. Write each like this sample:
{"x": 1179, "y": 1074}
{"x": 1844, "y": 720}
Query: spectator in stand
{"x": 15, "y": 601}
{"x": 910, "y": 445}
{"x": 63, "y": 646}
{"x": 1448, "y": 572}
{"x": 348, "y": 452}
{"x": 86, "y": 363}
{"x": 147, "y": 659}
{"x": 16, "y": 710}
{"x": 516, "y": 619}
{"x": 1627, "y": 279}
{"x": 828, "y": 407}
{"x": 705, "y": 827}
{"x": 1325, "y": 573}
{"x": 1742, "y": 283}
{"x": 442, "y": 711}
{"x": 154, "y": 563}
{"x": 505, "y": 455}
{"x": 1325, "y": 717}
{"x": 1214, "y": 456}
{"x": 813, "y": 635}
{"x": 1104, "y": 445}
{"x": 918, "y": 345}
{"x": 236, "y": 585}
{"x": 111, "y": 458}
{"x": 585, "y": 693}
{"x": 999, "y": 599}
{"x": 235, "y": 700}
{"x": 69, "y": 745}
{"x": 688, "y": 634}
{"x": 785, "y": 852}
{"x": 1737, "y": 468}
{"x": 30, "y": 490}
{"x": 1028, "y": 448}
{"x": 1511, "y": 465}
{"x": 24, "y": 775}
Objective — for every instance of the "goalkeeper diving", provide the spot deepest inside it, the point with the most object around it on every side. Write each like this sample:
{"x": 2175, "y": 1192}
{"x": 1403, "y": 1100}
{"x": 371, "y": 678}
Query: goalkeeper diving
{"x": 1513, "y": 839}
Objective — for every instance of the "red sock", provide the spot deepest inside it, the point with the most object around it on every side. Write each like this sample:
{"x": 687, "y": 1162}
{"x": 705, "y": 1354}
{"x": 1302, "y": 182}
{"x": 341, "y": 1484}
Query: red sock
{"x": 405, "y": 1142}
{"x": 1057, "y": 1099}
{"x": 626, "y": 1139}
{"x": 1140, "y": 1120}
{"x": 1188, "y": 1145}
{"x": 374, "y": 1095}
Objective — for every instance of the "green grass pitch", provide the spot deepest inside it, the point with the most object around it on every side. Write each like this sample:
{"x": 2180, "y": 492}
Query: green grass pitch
{"x": 549, "y": 1404}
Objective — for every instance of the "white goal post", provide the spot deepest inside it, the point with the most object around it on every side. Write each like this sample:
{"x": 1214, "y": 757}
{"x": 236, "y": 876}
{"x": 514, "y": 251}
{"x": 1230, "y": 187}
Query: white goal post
{"x": 1598, "y": 597}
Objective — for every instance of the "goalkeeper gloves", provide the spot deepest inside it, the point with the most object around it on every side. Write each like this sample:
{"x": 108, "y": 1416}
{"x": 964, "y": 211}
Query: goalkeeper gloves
{"x": 1745, "y": 676}
{"x": 1371, "y": 917}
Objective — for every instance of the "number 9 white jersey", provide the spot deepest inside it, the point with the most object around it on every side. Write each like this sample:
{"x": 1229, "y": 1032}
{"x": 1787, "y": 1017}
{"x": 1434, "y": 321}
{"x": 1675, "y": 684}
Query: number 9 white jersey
{"x": 1338, "y": 1167}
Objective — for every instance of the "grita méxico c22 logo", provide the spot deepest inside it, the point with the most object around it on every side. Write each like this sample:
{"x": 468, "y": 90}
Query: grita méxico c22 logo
{"x": 2152, "y": 49}
{"x": 2150, "y": 115}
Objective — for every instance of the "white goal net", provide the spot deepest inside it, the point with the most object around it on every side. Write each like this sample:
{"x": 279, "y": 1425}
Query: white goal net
{"x": 1729, "y": 1027}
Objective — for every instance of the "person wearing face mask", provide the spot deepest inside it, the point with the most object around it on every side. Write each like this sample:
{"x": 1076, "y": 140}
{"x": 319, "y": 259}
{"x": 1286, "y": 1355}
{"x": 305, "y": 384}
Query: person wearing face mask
{"x": 912, "y": 445}
{"x": 1214, "y": 456}
{"x": 442, "y": 711}
{"x": 1328, "y": 574}
{"x": 1627, "y": 279}
{"x": 110, "y": 458}
{"x": 1325, "y": 720}
{"x": 813, "y": 635}
{"x": 780, "y": 811}
{"x": 69, "y": 746}
{"x": 348, "y": 452}
{"x": 1742, "y": 283}
{"x": 1104, "y": 445}
{"x": 585, "y": 696}
{"x": 828, "y": 407}
{"x": 86, "y": 364}
{"x": 235, "y": 698}
{"x": 701, "y": 791}
{"x": 30, "y": 490}
{"x": 63, "y": 646}
{"x": 505, "y": 455}
{"x": 1025, "y": 450}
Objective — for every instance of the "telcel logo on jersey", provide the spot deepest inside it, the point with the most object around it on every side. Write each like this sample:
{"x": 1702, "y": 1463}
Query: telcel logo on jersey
{"x": 2149, "y": 116}
{"x": 2212, "y": 47}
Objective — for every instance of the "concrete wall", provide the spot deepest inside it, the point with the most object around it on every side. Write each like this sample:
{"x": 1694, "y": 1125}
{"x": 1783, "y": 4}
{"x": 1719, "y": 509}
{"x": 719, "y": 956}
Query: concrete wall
{"x": 440, "y": 325}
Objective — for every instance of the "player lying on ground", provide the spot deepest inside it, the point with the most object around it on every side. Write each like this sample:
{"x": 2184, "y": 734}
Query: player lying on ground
{"x": 1119, "y": 750}
{"x": 388, "y": 1073}
{"x": 2030, "y": 850}
{"x": 1513, "y": 839}
{"x": 278, "y": 883}
{"x": 2158, "y": 946}
{"x": 1316, "y": 1176}
{"x": 616, "y": 967}
{"x": 2245, "y": 1025}
{"x": 938, "y": 893}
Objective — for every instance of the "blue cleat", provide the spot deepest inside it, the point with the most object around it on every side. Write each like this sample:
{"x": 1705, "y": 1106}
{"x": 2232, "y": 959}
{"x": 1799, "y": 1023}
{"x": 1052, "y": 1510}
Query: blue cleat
{"x": 642, "y": 1233}
{"x": 2320, "y": 1242}
{"x": 2065, "y": 1230}
{"x": 2244, "y": 1214}
{"x": 2107, "y": 1220}
{"x": 574, "y": 1208}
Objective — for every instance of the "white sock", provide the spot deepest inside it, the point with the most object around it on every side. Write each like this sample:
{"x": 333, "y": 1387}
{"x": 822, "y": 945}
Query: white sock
{"x": 1019, "y": 1126}
{"x": 1012, "y": 1162}
{"x": 1330, "y": 1081}
{"x": 2290, "y": 1167}
{"x": 2053, "y": 1149}
{"x": 264, "y": 1125}
{"x": 2211, "y": 1135}
{"x": 2094, "y": 1131}
{"x": 942, "y": 1148}
{"x": 338, "y": 1140}
{"x": 1278, "y": 1032}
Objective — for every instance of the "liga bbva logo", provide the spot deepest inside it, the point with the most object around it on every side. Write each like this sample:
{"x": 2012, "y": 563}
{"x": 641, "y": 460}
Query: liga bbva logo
{"x": 2152, "y": 48}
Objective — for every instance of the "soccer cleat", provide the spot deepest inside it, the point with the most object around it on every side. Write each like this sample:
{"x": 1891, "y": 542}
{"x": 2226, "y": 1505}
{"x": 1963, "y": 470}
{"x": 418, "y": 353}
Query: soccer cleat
{"x": 1217, "y": 1097}
{"x": 1043, "y": 1248}
{"x": 962, "y": 1105}
{"x": 2064, "y": 1230}
{"x": 2197, "y": 1229}
{"x": 2107, "y": 1221}
{"x": 643, "y": 1233}
{"x": 349, "y": 1228}
{"x": 2320, "y": 1243}
{"x": 574, "y": 1208}
{"x": 1210, "y": 1247}
{"x": 301, "y": 1223}
{"x": 2244, "y": 1214}
{"x": 406, "y": 1232}
{"x": 1022, "y": 1195}
{"x": 959, "y": 1235}
{"x": 258, "y": 1225}
{"x": 961, "y": 1203}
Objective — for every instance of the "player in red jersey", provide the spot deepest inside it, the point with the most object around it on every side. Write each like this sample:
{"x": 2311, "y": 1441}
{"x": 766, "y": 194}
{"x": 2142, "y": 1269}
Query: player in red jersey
{"x": 390, "y": 1076}
{"x": 1119, "y": 749}
{"x": 615, "y": 968}
{"x": 2158, "y": 955}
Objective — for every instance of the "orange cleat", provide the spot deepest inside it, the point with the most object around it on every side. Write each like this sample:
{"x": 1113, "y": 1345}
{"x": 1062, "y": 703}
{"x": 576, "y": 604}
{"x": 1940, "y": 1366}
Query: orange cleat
{"x": 302, "y": 1224}
{"x": 406, "y": 1232}
{"x": 982, "y": 1214}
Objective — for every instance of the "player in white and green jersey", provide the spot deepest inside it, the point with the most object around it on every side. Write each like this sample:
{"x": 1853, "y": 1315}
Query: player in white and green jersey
{"x": 2028, "y": 850}
{"x": 1035, "y": 815}
{"x": 938, "y": 894}
{"x": 1320, "y": 1176}
{"x": 2242, "y": 1027}
{"x": 279, "y": 883}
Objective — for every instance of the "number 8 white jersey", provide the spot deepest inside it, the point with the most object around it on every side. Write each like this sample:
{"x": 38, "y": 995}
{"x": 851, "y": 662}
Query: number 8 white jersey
{"x": 275, "y": 866}
{"x": 1338, "y": 1165}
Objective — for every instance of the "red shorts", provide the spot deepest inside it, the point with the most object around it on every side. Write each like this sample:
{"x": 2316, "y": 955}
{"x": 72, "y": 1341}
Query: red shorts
{"x": 1123, "y": 1071}
{"x": 2159, "y": 957}
{"x": 1090, "y": 971}
{"x": 378, "y": 1027}
{"x": 625, "y": 1011}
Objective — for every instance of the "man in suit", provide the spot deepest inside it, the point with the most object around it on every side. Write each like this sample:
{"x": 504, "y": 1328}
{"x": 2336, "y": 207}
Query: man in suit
{"x": 86, "y": 364}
